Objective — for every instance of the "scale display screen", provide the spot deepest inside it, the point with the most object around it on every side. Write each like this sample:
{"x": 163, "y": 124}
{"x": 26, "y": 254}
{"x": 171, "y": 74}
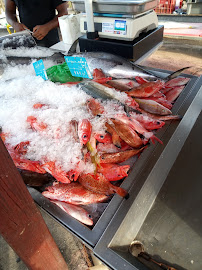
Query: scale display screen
{"x": 120, "y": 27}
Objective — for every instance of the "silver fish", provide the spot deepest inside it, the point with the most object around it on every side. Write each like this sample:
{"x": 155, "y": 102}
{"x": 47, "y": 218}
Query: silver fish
{"x": 152, "y": 106}
{"x": 113, "y": 65}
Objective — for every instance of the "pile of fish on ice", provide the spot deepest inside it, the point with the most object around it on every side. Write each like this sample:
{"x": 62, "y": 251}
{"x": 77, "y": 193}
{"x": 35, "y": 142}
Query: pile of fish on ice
{"x": 81, "y": 134}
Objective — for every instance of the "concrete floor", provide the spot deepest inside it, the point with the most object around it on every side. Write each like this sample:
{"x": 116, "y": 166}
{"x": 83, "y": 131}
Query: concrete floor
{"x": 176, "y": 53}
{"x": 167, "y": 57}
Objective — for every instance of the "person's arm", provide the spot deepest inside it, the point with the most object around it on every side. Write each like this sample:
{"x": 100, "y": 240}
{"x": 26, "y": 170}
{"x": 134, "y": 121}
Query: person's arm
{"x": 40, "y": 31}
{"x": 11, "y": 16}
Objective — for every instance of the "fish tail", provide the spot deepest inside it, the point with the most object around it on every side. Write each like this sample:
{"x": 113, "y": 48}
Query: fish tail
{"x": 175, "y": 74}
{"x": 154, "y": 138}
{"x": 122, "y": 192}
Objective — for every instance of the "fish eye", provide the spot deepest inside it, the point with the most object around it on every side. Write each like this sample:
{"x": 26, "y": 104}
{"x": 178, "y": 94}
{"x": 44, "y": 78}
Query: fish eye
{"x": 89, "y": 216}
{"x": 85, "y": 136}
{"x": 101, "y": 136}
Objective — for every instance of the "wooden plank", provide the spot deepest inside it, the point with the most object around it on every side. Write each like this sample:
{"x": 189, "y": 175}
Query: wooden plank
{"x": 21, "y": 223}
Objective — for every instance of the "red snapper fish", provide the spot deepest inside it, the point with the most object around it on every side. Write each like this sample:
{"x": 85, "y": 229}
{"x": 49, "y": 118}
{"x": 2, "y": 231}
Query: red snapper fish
{"x": 95, "y": 106}
{"x": 176, "y": 82}
{"x": 76, "y": 212}
{"x": 26, "y": 164}
{"x": 73, "y": 193}
{"x": 119, "y": 156}
{"x": 147, "y": 89}
{"x": 84, "y": 131}
{"x": 137, "y": 126}
{"x": 126, "y": 133}
{"x": 148, "y": 122}
{"x": 99, "y": 184}
{"x": 173, "y": 94}
{"x": 103, "y": 138}
{"x": 114, "y": 172}
{"x": 56, "y": 172}
{"x": 115, "y": 137}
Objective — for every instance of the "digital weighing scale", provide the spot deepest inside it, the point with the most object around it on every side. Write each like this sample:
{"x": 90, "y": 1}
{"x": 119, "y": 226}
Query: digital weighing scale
{"x": 127, "y": 28}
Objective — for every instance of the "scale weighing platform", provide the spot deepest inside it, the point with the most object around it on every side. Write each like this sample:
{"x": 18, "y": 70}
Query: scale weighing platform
{"x": 129, "y": 29}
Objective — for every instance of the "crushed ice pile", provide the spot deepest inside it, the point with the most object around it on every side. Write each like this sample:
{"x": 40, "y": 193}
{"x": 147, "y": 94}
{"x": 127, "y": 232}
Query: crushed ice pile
{"x": 20, "y": 89}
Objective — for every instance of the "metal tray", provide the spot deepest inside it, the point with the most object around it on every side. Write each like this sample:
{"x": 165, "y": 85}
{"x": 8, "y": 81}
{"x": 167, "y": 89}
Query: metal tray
{"x": 117, "y": 7}
{"x": 92, "y": 235}
{"x": 164, "y": 210}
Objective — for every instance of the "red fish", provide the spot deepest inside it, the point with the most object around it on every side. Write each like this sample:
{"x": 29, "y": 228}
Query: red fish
{"x": 95, "y": 107}
{"x": 99, "y": 184}
{"x": 102, "y": 80}
{"x": 98, "y": 73}
{"x": 173, "y": 94}
{"x": 76, "y": 212}
{"x": 114, "y": 172}
{"x": 140, "y": 80}
{"x": 115, "y": 137}
{"x": 148, "y": 122}
{"x": 126, "y": 133}
{"x": 177, "y": 82}
{"x": 56, "y": 172}
{"x": 119, "y": 156}
{"x": 84, "y": 131}
{"x": 73, "y": 193}
{"x": 136, "y": 125}
{"x": 103, "y": 138}
{"x": 35, "y": 124}
{"x": 73, "y": 175}
{"x": 146, "y": 89}
{"x": 26, "y": 164}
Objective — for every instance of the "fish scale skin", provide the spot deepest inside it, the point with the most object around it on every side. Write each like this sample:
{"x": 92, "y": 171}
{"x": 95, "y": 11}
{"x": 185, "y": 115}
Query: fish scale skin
{"x": 73, "y": 193}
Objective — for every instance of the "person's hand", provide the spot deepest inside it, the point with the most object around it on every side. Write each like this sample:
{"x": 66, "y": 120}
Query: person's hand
{"x": 19, "y": 27}
{"x": 40, "y": 31}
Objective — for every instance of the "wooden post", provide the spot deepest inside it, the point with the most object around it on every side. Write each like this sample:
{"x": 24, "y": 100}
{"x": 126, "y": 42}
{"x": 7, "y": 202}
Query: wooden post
{"x": 21, "y": 223}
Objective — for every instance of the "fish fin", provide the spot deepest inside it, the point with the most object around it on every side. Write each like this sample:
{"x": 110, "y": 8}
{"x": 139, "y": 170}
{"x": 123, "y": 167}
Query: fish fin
{"x": 128, "y": 110}
{"x": 175, "y": 74}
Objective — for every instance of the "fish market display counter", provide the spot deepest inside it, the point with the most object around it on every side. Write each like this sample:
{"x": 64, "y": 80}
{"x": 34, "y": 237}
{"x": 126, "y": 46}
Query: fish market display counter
{"x": 163, "y": 211}
{"x": 162, "y": 215}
